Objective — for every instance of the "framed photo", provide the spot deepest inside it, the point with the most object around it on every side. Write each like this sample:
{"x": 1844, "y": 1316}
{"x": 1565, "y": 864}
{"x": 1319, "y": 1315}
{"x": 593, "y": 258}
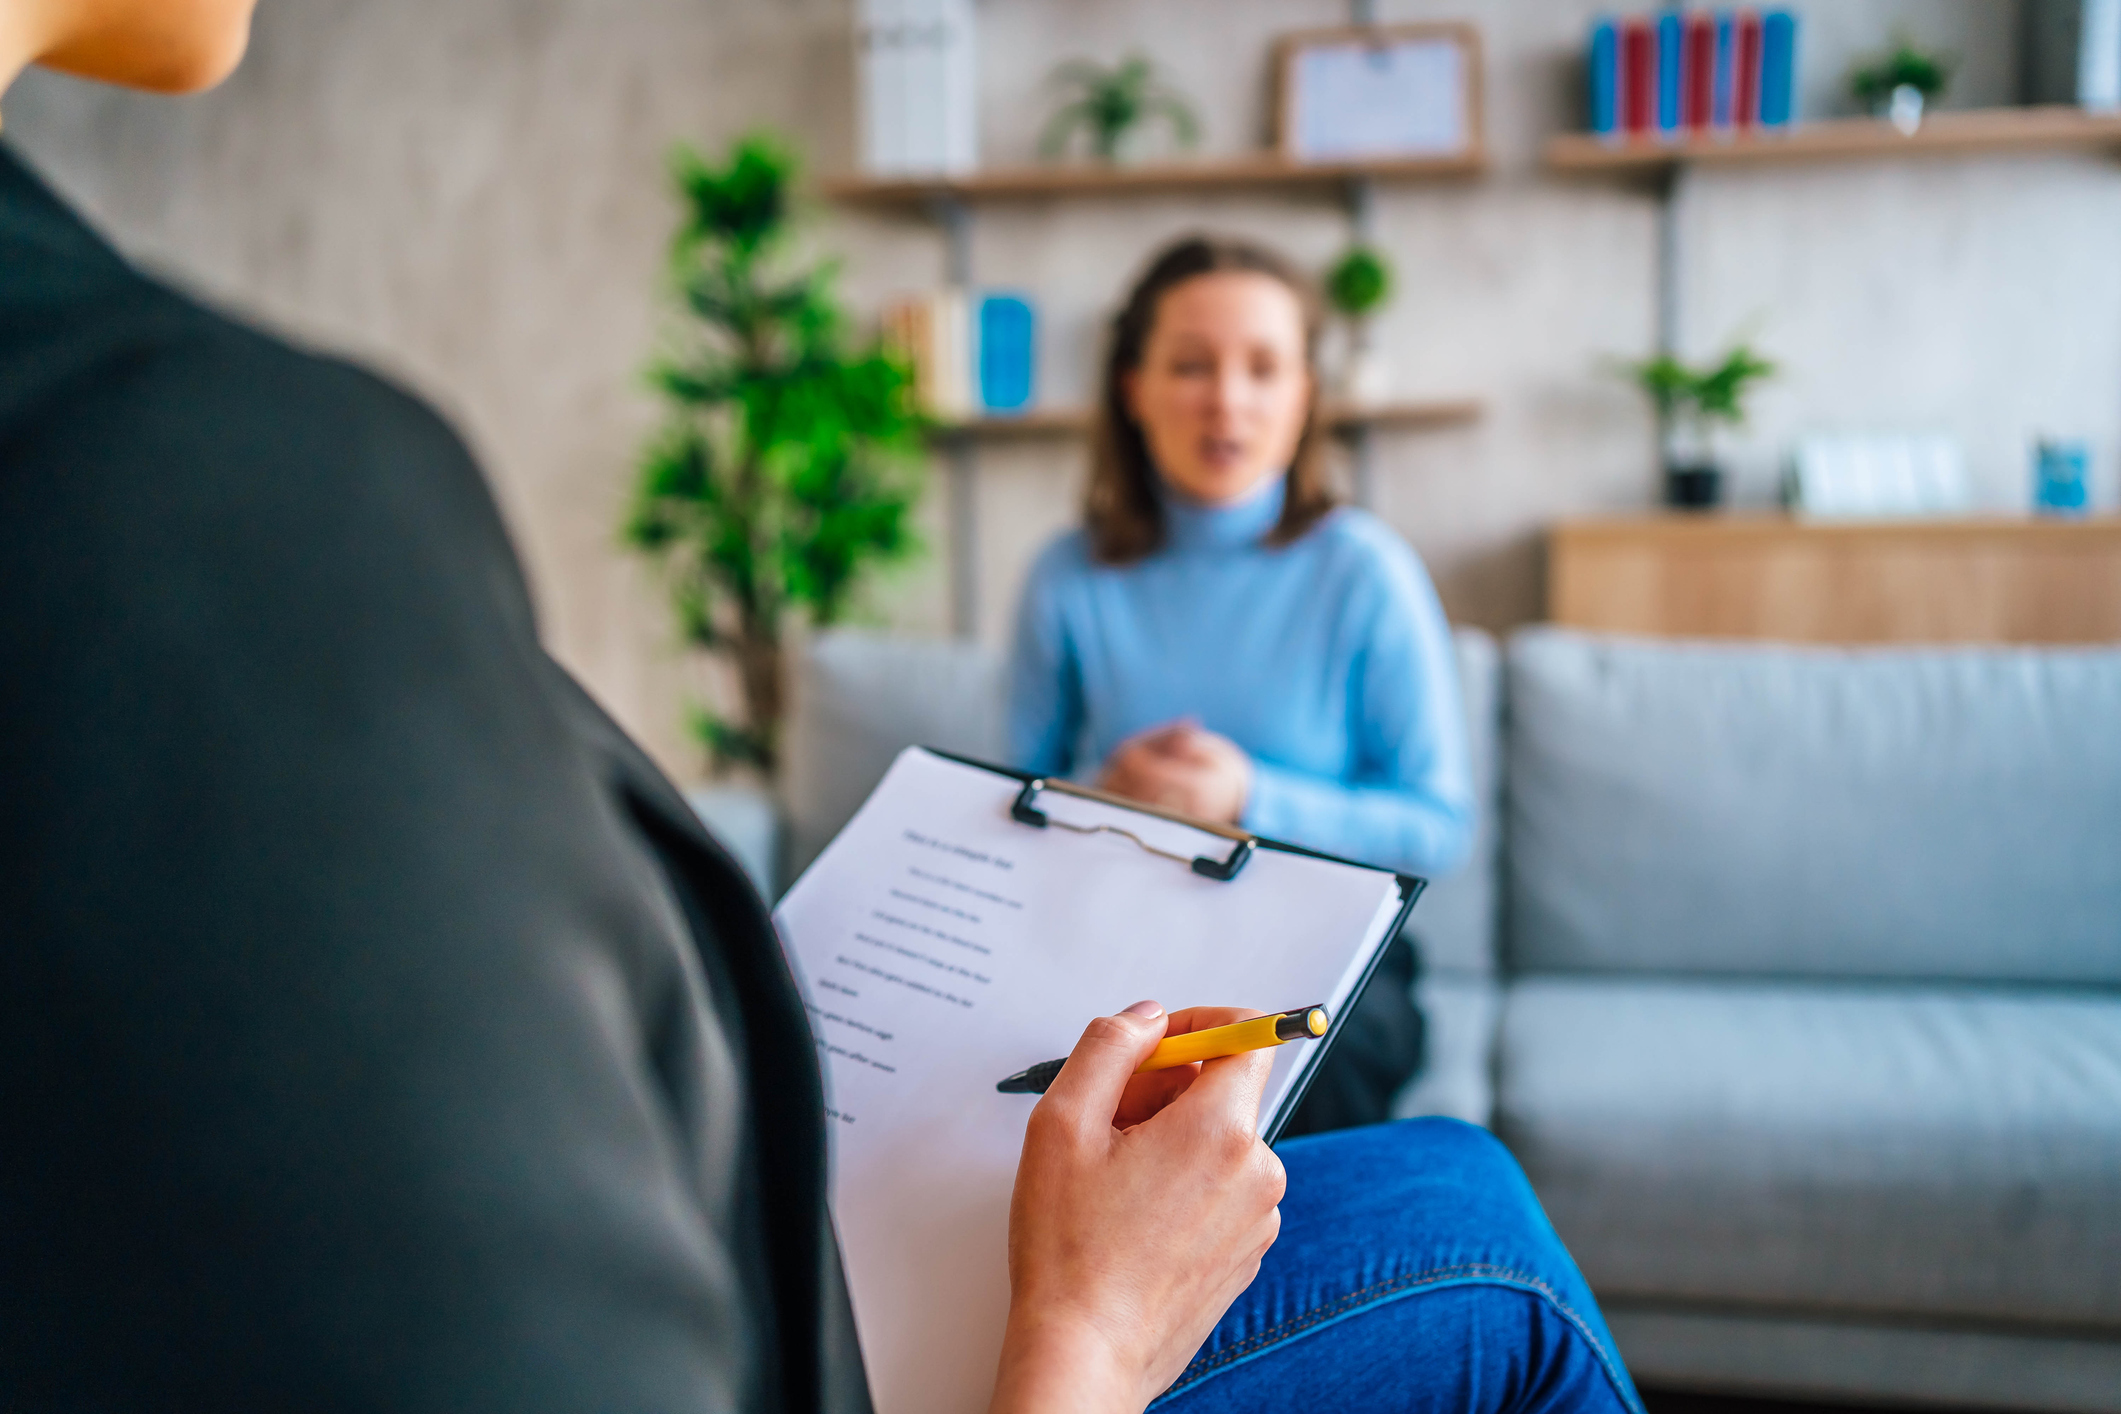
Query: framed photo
{"x": 1379, "y": 93}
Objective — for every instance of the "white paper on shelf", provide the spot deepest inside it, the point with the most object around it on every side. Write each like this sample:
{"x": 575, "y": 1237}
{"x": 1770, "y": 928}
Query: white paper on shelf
{"x": 1362, "y": 100}
{"x": 2099, "y": 56}
{"x": 942, "y": 946}
{"x": 881, "y": 57}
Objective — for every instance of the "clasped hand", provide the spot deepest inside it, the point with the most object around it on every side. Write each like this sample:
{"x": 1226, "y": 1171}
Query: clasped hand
{"x": 1183, "y": 767}
{"x": 1143, "y": 1205}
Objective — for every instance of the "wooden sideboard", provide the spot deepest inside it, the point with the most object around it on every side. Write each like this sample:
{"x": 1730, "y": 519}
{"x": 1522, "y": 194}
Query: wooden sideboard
{"x": 1798, "y": 581}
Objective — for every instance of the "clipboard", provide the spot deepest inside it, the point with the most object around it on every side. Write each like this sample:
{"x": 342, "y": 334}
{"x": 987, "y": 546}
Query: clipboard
{"x": 968, "y": 921}
{"x": 1243, "y": 844}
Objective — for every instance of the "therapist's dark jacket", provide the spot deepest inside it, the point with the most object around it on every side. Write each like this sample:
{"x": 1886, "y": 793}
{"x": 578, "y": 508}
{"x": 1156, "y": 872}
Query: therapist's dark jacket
{"x": 378, "y": 1029}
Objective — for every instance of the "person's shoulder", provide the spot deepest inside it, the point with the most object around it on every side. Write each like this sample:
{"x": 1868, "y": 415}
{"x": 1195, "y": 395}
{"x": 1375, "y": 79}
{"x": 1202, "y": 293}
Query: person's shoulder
{"x": 1064, "y": 561}
{"x": 179, "y": 446}
{"x": 1356, "y": 546}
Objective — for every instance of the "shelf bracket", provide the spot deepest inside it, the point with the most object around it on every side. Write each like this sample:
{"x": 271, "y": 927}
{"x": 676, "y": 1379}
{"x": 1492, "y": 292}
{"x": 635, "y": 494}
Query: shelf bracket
{"x": 953, "y": 216}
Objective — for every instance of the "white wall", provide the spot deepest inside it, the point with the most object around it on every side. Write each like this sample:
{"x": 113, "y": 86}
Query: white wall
{"x": 470, "y": 195}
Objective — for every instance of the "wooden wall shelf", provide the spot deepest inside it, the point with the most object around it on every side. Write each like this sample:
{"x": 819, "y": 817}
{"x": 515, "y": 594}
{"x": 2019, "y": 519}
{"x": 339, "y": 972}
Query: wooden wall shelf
{"x": 1343, "y": 420}
{"x": 1997, "y": 580}
{"x": 1971, "y": 133}
{"x": 1262, "y": 172}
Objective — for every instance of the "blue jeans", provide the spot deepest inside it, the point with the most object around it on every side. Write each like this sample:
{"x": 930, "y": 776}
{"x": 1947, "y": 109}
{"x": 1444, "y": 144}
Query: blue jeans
{"x": 1415, "y": 1272}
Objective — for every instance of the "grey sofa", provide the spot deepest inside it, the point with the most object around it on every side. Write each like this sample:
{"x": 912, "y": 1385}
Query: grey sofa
{"x": 1793, "y": 977}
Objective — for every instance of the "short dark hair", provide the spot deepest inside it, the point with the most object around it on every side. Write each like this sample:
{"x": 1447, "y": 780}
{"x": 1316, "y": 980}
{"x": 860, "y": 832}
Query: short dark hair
{"x": 1121, "y": 509}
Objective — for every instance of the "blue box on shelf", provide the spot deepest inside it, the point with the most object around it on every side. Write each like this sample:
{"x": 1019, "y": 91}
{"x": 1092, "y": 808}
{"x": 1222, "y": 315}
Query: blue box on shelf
{"x": 2061, "y": 478}
{"x": 1008, "y": 342}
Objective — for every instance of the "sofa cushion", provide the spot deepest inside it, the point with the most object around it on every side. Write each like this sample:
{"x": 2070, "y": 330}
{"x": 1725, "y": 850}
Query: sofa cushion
{"x": 1891, "y": 813}
{"x": 1897, "y": 1150}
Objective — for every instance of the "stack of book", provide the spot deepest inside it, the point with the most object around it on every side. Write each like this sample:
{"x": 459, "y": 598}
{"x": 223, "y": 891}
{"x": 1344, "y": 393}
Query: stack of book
{"x": 971, "y": 356}
{"x": 919, "y": 87}
{"x": 1685, "y": 74}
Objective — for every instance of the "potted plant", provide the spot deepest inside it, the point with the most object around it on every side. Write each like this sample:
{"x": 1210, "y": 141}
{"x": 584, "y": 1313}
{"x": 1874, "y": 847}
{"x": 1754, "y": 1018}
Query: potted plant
{"x": 1358, "y": 285}
{"x": 1898, "y": 85}
{"x": 1690, "y": 402}
{"x": 1114, "y": 107}
{"x": 786, "y": 463}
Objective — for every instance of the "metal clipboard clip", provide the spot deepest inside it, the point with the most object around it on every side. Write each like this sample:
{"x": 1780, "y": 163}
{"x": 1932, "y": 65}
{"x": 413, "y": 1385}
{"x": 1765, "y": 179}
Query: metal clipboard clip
{"x": 1024, "y": 812}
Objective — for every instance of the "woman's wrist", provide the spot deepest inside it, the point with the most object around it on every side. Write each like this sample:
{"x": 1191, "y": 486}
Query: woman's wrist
{"x": 1054, "y": 1365}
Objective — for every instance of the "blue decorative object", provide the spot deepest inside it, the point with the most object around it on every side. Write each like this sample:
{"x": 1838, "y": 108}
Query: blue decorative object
{"x": 1008, "y": 339}
{"x": 2061, "y": 477}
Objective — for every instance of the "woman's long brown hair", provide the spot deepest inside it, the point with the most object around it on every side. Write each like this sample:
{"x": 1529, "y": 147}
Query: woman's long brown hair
{"x": 1124, "y": 515}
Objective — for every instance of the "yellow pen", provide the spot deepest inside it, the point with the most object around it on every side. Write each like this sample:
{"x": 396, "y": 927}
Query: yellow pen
{"x": 1303, "y": 1024}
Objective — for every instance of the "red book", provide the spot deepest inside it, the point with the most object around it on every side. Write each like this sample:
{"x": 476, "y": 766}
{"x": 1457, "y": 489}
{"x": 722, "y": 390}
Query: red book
{"x": 1638, "y": 77}
{"x": 1698, "y": 94}
{"x": 1745, "y": 106}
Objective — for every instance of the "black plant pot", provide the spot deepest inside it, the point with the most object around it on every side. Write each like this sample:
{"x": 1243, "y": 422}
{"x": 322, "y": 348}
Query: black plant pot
{"x": 1693, "y": 486}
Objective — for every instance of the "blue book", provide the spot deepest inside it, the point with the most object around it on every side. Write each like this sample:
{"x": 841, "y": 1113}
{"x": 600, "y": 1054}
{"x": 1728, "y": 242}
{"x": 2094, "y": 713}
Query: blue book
{"x": 1671, "y": 65}
{"x": 1008, "y": 340}
{"x": 1778, "y": 68}
{"x": 1605, "y": 79}
{"x": 1725, "y": 94}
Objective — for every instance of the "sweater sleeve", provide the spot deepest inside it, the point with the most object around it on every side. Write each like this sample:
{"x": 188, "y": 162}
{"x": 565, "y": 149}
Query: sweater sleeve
{"x": 1045, "y": 712}
{"x": 1408, "y": 803}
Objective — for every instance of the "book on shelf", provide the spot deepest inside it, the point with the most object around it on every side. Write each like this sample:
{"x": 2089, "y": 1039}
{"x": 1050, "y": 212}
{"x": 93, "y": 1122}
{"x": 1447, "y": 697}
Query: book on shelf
{"x": 1724, "y": 97}
{"x": 1638, "y": 76}
{"x": 1671, "y": 70}
{"x": 1778, "y": 69}
{"x": 1605, "y": 79}
{"x": 1700, "y": 61}
{"x": 1745, "y": 100}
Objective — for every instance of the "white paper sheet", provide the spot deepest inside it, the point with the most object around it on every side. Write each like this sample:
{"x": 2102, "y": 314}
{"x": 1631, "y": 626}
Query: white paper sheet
{"x": 943, "y": 946}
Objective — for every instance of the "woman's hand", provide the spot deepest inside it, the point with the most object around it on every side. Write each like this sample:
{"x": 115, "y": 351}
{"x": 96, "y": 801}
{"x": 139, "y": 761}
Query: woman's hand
{"x": 1182, "y": 766}
{"x": 1143, "y": 1205}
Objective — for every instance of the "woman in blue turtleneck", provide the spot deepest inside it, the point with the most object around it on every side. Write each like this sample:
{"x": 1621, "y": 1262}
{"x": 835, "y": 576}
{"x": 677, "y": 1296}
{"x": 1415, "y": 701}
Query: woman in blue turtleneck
{"x": 1221, "y": 639}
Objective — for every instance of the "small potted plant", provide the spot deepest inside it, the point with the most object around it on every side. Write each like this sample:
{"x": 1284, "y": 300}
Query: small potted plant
{"x": 1114, "y": 107}
{"x": 1690, "y": 402}
{"x": 1358, "y": 285}
{"x": 1898, "y": 85}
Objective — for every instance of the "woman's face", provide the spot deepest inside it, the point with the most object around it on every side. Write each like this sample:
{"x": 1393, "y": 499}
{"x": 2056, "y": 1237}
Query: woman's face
{"x": 1223, "y": 384}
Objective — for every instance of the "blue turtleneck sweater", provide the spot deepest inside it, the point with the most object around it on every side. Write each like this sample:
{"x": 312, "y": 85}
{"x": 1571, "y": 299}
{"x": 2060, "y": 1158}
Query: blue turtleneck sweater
{"x": 1328, "y": 661}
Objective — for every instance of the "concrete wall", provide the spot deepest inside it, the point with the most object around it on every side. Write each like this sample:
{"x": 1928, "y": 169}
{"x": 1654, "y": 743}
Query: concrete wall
{"x": 469, "y": 195}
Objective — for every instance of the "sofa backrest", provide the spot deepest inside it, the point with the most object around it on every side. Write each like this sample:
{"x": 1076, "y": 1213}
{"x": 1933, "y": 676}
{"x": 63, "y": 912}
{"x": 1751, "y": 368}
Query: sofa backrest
{"x": 1454, "y": 923}
{"x": 1893, "y": 813}
{"x": 858, "y": 698}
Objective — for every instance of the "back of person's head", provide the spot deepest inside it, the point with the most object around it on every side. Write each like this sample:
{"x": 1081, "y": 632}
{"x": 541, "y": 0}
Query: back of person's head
{"x": 1123, "y": 511}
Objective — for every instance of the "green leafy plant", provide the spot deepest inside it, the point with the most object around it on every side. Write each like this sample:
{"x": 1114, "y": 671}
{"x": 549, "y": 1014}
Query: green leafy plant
{"x": 787, "y": 462}
{"x": 1904, "y": 65}
{"x": 1690, "y": 400}
{"x": 1110, "y": 103}
{"x": 1359, "y": 283}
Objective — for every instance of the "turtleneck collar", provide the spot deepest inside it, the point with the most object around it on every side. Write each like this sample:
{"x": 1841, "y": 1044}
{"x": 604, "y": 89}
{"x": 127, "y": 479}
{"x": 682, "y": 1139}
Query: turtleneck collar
{"x": 1240, "y": 525}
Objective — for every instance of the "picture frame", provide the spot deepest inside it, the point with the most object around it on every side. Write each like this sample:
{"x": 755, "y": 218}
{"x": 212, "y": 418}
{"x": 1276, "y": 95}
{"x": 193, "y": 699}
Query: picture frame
{"x": 1408, "y": 93}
